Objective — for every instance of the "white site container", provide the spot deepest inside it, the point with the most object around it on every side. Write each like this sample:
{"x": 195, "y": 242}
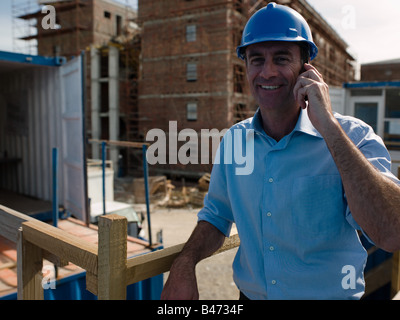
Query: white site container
{"x": 41, "y": 108}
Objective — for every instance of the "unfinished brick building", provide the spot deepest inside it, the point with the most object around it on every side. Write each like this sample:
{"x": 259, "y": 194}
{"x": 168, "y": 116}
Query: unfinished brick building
{"x": 79, "y": 24}
{"x": 189, "y": 69}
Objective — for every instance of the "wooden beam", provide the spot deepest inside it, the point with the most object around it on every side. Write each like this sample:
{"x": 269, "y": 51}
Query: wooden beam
{"x": 157, "y": 262}
{"x": 92, "y": 283}
{"x": 29, "y": 270}
{"x": 229, "y": 243}
{"x": 62, "y": 244}
{"x": 151, "y": 264}
{"x": 111, "y": 280}
{"x": 378, "y": 276}
{"x": 11, "y": 221}
{"x": 121, "y": 143}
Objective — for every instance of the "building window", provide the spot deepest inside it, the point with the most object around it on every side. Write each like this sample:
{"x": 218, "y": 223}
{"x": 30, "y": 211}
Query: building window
{"x": 191, "y": 72}
{"x": 191, "y": 111}
{"x": 367, "y": 112}
{"x": 237, "y": 37}
{"x": 191, "y": 33}
{"x": 238, "y": 79}
{"x": 392, "y": 119}
{"x": 332, "y": 54}
{"x": 107, "y": 14}
{"x": 118, "y": 25}
{"x": 392, "y": 103}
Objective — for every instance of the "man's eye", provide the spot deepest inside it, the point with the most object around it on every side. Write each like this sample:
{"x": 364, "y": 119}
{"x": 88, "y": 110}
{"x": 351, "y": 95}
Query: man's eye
{"x": 281, "y": 59}
{"x": 257, "y": 61}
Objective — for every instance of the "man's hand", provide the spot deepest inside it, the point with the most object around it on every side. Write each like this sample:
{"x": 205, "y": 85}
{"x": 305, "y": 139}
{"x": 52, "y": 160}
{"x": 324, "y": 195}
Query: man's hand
{"x": 311, "y": 85}
{"x": 181, "y": 283}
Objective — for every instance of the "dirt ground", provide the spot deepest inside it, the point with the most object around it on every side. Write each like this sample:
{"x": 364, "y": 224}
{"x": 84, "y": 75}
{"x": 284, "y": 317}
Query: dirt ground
{"x": 214, "y": 274}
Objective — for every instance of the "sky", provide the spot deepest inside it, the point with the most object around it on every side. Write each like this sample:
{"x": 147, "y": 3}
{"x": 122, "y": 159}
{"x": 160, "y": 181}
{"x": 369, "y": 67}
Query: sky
{"x": 371, "y": 28}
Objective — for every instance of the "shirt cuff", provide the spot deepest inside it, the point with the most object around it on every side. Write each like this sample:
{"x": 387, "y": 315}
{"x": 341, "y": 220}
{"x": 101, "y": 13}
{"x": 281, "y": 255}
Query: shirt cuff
{"x": 221, "y": 224}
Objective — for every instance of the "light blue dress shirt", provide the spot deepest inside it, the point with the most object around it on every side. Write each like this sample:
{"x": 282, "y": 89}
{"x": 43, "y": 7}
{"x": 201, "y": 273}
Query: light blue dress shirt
{"x": 298, "y": 237}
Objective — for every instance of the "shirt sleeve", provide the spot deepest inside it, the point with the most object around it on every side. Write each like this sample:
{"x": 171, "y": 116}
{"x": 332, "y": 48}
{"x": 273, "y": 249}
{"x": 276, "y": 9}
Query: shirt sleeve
{"x": 217, "y": 207}
{"x": 373, "y": 148}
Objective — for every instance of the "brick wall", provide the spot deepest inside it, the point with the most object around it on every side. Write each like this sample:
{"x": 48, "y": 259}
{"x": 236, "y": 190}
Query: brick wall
{"x": 164, "y": 89}
{"x": 75, "y": 31}
{"x": 94, "y": 22}
{"x": 384, "y": 71}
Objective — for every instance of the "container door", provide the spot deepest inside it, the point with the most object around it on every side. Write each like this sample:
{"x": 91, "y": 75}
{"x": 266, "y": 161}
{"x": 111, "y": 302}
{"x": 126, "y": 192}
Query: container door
{"x": 369, "y": 109}
{"x": 368, "y": 112}
{"x": 73, "y": 138}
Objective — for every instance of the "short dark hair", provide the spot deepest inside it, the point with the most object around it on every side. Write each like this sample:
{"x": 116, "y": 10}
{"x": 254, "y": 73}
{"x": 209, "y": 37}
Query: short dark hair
{"x": 304, "y": 52}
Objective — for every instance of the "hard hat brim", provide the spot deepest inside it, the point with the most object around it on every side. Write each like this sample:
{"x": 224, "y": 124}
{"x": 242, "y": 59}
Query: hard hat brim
{"x": 242, "y": 48}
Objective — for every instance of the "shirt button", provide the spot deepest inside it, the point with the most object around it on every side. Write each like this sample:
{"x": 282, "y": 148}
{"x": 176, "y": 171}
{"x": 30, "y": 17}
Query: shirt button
{"x": 273, "y": 282}
{"x": 269, "y": 214}
{"x": 271, "y": 180}
{"x": 271, "y": 248}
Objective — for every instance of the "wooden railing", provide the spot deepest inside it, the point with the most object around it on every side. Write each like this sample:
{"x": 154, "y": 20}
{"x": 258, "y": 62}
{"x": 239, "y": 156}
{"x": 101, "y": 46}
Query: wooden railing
{"x": 108, "y": 270}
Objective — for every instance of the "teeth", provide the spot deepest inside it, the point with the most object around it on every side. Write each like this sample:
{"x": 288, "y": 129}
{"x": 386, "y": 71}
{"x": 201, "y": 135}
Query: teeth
{"x": 270, "y": 87}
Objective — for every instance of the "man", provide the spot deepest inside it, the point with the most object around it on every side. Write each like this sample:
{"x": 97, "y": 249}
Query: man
{"x": 318, "y": 177}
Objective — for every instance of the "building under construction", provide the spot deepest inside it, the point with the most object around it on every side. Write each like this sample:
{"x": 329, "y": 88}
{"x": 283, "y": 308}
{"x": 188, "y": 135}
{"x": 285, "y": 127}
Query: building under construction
{"x": 105, "y": 30}
{"x": 189, "y": 72}
{"x": 189, "y": 69}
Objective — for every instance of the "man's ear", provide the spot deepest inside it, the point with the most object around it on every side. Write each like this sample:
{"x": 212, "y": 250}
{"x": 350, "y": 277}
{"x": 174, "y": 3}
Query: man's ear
{"x": 302, "y": 68}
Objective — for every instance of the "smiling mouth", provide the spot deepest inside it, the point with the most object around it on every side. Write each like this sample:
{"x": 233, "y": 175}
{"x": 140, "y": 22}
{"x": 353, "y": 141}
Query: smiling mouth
{"x": 270, "y": 87}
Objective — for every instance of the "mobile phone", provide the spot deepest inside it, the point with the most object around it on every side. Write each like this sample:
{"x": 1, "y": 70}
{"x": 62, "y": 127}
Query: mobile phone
{"x": 301, "y": 71}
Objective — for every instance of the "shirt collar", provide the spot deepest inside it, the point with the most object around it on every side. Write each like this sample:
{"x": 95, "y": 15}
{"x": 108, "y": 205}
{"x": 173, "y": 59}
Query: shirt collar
{"x": 303, "y": 124}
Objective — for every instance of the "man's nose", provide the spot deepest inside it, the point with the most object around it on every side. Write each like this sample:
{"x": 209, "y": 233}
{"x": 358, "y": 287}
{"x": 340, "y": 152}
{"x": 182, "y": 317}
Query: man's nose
{"x": 269, "y": 69}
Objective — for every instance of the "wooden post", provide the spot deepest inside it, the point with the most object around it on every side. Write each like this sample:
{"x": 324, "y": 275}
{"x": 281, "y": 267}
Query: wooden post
{"x": 112, "y": 257}
{"x": 395, "y": 286}
{"x": 29, "y": 269}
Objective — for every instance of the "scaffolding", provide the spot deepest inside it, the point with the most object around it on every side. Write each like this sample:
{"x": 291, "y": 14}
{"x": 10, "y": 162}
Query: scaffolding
{"x": 24, "y": 27}
{"x": 67, "y": 35}
{"x": 186, "y": 53}
{"x": 116, "y": 82}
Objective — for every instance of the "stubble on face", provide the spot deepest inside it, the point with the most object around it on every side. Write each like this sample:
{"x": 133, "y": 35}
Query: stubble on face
{"x": 272, "y": 71}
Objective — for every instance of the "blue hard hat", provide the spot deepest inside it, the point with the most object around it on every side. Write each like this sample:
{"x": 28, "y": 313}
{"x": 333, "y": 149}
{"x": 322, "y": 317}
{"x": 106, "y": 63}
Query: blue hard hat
{"x": 276, "y": 23}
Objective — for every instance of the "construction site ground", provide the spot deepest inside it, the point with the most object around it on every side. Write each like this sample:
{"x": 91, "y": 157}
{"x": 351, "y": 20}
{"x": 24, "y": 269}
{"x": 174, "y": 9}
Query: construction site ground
{"x": 214, "y": 274}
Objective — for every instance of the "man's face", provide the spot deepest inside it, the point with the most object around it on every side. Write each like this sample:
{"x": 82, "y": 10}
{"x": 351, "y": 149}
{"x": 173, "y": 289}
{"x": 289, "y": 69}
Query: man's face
{"x": 272, "y": 71}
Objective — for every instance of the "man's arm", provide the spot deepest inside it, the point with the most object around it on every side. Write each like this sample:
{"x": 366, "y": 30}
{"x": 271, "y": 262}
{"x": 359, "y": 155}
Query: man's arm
{"x": 373, "y": 199}
{"x": 182, "y": 283}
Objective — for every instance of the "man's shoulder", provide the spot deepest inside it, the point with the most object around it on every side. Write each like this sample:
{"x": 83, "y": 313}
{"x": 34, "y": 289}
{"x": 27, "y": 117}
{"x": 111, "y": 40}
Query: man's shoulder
{"x": 350, "y": 123}
{"x": 243, "y": 124}
{"x": 357, "y": 130}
